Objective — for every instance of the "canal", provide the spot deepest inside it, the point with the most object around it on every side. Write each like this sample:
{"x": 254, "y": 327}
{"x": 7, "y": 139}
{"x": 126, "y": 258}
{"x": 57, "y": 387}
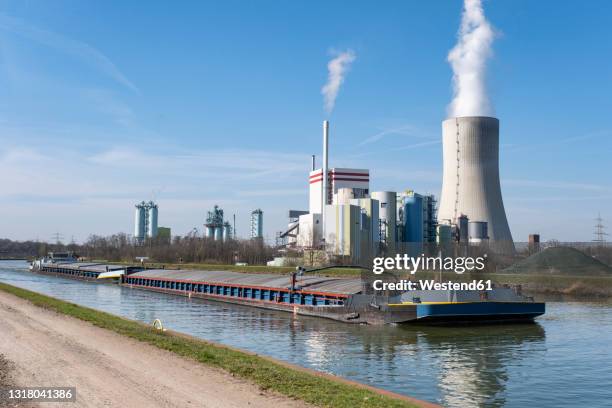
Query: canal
{"x": 561, "y": 360}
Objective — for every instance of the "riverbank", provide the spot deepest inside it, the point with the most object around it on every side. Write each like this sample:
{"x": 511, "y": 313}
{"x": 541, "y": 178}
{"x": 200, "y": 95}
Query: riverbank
{"x": 118, "y": 360}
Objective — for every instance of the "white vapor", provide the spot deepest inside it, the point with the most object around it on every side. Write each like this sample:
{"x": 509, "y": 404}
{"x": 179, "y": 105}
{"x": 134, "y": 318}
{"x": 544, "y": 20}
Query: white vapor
{"x": 337, "y": 69}
{"x": 469, "y": 62}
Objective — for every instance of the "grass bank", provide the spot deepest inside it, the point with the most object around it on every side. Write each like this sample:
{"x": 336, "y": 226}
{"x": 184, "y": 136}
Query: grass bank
{"x": 312, "y": 387}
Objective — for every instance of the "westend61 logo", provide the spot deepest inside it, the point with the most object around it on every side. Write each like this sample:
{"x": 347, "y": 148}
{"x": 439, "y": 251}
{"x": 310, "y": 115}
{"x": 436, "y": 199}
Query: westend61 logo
{"x": 427, "y": 263}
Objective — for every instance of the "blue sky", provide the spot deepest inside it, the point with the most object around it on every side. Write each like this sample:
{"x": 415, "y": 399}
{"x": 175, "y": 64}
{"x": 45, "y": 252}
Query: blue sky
{"x": 104, "y": 104}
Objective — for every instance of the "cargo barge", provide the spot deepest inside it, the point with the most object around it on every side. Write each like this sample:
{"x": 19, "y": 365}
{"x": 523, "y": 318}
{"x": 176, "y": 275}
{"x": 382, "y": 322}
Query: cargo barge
{"x": 92, "y": 271}
{"x": 341, "y": 299}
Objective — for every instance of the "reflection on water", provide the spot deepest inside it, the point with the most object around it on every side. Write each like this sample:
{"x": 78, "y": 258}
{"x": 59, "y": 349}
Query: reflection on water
{"x": 504, "y": 365}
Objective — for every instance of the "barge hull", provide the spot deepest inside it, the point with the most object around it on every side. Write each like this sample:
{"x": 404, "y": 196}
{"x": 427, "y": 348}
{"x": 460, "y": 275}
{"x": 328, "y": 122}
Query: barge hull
{"x": 479, "y": 311}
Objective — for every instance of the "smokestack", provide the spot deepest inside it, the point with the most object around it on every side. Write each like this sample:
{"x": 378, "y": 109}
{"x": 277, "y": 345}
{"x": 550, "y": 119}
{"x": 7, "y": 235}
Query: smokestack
{"x": 324, "y": 193}
{"x": 312, "y": 168}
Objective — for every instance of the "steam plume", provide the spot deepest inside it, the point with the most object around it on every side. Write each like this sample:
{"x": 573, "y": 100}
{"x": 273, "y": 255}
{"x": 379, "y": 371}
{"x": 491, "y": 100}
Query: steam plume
{"x": 337, "y": 69}
{"x": 469, "y": 62}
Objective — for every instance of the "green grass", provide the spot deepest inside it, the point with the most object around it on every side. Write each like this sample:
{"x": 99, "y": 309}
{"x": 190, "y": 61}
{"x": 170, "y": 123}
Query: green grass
{"x": 314, "y": 388}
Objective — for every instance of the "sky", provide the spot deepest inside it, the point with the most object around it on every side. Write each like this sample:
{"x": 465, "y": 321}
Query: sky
{"x": 105, "y": 104}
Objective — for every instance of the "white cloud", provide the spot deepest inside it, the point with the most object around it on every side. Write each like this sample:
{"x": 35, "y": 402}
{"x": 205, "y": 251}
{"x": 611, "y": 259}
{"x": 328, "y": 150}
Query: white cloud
{"x": 78, "y": 49}
{"x": 337, "y": 69}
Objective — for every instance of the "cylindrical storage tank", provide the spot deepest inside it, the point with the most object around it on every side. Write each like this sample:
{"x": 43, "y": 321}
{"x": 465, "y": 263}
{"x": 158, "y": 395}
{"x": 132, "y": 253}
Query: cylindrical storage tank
{"x": 256, "y": 224}
{"x": 462, "y": 225}
{"x": 210, "y": 232}
{"x": 219, "y": 233}
{"x": 152, "y": 227}
{"x": 443, "y": 234}
{"x": 139, "y": 222}
{"x": 227, "y": 232}
{"x": 470, "y": 181}
{"x": 478, "y": 231}
{"x": 387, "y": 213}
{"x": 413, "y": 218}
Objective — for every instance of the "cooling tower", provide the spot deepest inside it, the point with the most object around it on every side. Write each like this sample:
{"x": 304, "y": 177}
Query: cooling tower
{"x": 470, "y": 184}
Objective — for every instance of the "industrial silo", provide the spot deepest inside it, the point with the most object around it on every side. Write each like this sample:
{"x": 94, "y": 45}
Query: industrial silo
{"x": 210, "y": 232}
{"x": 413, "y": 223}
{"x": 470, "y": 182}
{"x": 256, "y": 224}
{"x": 219, "y": 233}
{"x": 152, "y": 220}
{"x": 443, "y": 234}
{"x": 478, "y": 232}
{"x": 227, "y": 231}
{"x": 462, "y": 227}
{"x": 388, "y": 218}
{"x": 139, "y": 221}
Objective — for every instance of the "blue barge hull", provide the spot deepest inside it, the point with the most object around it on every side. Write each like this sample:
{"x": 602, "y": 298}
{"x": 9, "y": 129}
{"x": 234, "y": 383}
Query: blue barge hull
{"x": 479, "y": 311}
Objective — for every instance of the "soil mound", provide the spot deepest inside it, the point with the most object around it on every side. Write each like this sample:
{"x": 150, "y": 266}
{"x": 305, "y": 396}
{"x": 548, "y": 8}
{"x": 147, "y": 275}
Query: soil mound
{"x": 560, "y": 261}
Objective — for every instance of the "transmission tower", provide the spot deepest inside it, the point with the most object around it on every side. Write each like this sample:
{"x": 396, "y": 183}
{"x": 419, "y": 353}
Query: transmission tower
{"x": 57, "y": 238}
{"x": 600, "y": 233}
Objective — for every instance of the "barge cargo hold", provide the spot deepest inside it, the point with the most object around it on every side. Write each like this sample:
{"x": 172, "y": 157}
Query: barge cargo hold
{"x": 339, "y": 298}
{"x": 332, "y": 298}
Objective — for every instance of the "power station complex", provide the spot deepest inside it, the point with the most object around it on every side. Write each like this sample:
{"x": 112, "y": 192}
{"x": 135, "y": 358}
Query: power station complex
{"x": 346, "y": 219}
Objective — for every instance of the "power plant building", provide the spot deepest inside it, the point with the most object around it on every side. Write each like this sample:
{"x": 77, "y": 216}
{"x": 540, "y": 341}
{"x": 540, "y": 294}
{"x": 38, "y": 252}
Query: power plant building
{"x": 470, "y": 184}
{"x": 215, "y": 227}
{"x": 369, "y": 225}
{"x": 257, "y": 224}
{"x": 387, "y": 212}
{"x": 343, "y": 230}
{"x": 145, "y": 221}
{"x": 356, "y": 179}
{"x": 410, "y": 217}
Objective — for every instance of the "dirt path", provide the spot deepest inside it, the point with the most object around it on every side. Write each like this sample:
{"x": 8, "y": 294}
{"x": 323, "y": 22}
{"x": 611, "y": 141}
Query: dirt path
{"x": 44, "y": 348}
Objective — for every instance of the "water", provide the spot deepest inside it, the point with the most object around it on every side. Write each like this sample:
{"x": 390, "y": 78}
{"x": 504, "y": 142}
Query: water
{"x": 560, "y": 361}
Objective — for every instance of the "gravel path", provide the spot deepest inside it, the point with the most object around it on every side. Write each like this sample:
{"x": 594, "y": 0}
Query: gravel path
{"x": 43, "y": 348}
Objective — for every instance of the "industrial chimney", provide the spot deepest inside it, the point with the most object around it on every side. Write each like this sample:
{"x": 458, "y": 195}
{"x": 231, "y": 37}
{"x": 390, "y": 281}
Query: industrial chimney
{"x": 325, "y": 187}
{"x": 470, "y": 183}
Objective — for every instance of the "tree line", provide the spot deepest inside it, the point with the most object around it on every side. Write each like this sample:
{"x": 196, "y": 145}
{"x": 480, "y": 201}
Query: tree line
{"x": 121, "y": 247}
